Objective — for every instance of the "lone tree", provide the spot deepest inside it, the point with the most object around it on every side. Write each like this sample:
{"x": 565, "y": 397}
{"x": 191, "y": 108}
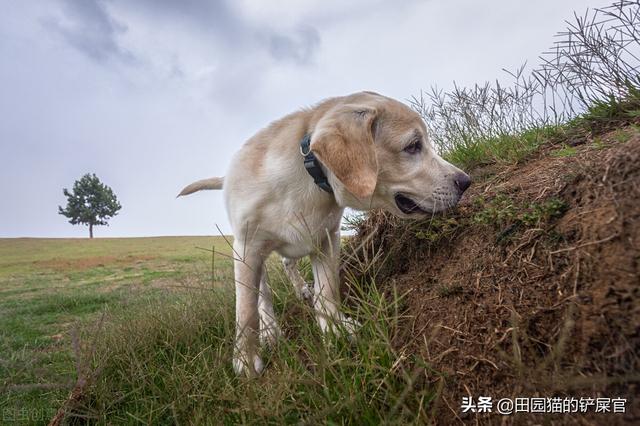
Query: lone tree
{"x": 90, "y": 203}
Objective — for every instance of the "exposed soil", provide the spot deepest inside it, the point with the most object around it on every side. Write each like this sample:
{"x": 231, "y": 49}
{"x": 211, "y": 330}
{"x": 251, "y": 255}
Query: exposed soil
{"x": 531, "y": 288}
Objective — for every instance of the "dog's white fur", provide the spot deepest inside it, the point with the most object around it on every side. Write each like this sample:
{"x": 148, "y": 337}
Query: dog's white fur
{"x": 274, "y": 205}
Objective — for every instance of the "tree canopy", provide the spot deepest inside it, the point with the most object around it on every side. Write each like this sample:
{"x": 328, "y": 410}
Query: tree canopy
{"x": 90, "y": 202}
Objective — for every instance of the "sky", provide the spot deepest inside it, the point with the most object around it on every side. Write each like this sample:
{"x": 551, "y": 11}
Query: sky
{"x": 151, "y": 95}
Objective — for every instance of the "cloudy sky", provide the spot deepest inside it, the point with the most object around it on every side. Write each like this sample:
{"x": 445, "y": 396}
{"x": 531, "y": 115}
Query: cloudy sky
{"x": 153, "y": 94}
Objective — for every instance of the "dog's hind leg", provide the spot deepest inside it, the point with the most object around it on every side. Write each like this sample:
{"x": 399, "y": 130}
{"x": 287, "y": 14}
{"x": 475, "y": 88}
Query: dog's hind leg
{"x": 301, "y": 288}
{"x": 269, "y": 329}
{"x": 327, "y": 288}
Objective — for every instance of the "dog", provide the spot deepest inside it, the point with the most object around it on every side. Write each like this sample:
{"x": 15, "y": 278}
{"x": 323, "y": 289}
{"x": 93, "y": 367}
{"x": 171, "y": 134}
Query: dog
{"x": 287, "y": 188}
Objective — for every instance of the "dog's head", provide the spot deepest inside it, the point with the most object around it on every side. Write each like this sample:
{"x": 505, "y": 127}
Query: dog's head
{"x": 379, "y": 151}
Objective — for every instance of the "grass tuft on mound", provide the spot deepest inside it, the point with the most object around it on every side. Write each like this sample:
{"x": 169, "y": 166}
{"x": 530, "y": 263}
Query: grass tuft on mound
{"x": 507, "y": 148}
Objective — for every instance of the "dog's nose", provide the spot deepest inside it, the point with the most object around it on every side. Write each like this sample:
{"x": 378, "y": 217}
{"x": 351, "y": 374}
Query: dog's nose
{"x": 463, "y": 181}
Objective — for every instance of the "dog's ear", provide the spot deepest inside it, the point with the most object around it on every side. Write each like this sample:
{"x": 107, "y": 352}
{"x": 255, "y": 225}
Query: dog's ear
{"x": 343, "y": 142}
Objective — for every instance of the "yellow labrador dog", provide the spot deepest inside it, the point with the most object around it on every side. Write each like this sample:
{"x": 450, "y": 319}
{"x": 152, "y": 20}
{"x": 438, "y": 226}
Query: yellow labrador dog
{"x": 287, "y": 187}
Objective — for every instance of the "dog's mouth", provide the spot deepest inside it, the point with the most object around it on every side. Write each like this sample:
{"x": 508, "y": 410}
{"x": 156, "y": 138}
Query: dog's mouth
{"x": 407, "y": 205}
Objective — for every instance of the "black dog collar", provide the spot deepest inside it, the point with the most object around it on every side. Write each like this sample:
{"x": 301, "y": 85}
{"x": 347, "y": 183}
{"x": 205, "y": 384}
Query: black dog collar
{"x": 312, "y": 165}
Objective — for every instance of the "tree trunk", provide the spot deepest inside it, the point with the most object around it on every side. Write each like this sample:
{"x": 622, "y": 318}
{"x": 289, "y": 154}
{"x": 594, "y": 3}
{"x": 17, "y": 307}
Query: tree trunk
{"x": 90, "y": 230}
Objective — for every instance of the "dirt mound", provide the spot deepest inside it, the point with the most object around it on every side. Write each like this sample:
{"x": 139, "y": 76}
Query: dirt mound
{"x": 531, "y": 288}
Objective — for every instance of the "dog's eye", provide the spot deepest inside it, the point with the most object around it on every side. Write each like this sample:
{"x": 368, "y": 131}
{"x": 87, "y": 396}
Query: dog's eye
{"x": 414, "y": 147}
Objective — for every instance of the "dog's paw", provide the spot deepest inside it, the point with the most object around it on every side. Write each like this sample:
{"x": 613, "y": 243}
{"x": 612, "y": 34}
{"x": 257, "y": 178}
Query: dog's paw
{"x": 306, "y": 292}
{"x": 270, "y": 334}
{"x": 339, "y": 325}
{"x": 242, "y": 367}
{"x": 350, "y": 325}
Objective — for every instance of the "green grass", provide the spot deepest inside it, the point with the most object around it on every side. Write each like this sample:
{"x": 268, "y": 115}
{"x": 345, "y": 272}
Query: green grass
{"x": 603, "y": 116}
{"x": 565, "y": 151}
{"x": 622, "y": 135}
{"x": 169, "y": 363}
{"x": 505, "y": 148}
{"x": 156, "y": 340}
{"x": 502, "y": 211}
{"x": 611, "y": 113}
{"x": 48, "y": 287}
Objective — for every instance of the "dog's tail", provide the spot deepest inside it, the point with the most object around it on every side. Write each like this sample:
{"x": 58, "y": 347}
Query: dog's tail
{"x": 211, "y": 183}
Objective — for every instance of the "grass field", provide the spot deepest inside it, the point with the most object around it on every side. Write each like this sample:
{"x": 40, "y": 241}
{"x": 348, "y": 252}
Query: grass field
{"x": 48, "y": 287}
{"x": 151, "y": 330}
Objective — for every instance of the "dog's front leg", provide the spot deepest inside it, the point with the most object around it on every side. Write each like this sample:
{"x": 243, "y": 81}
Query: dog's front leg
{"x": 248, "y": 271}
{"x": 324, "y": 263}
